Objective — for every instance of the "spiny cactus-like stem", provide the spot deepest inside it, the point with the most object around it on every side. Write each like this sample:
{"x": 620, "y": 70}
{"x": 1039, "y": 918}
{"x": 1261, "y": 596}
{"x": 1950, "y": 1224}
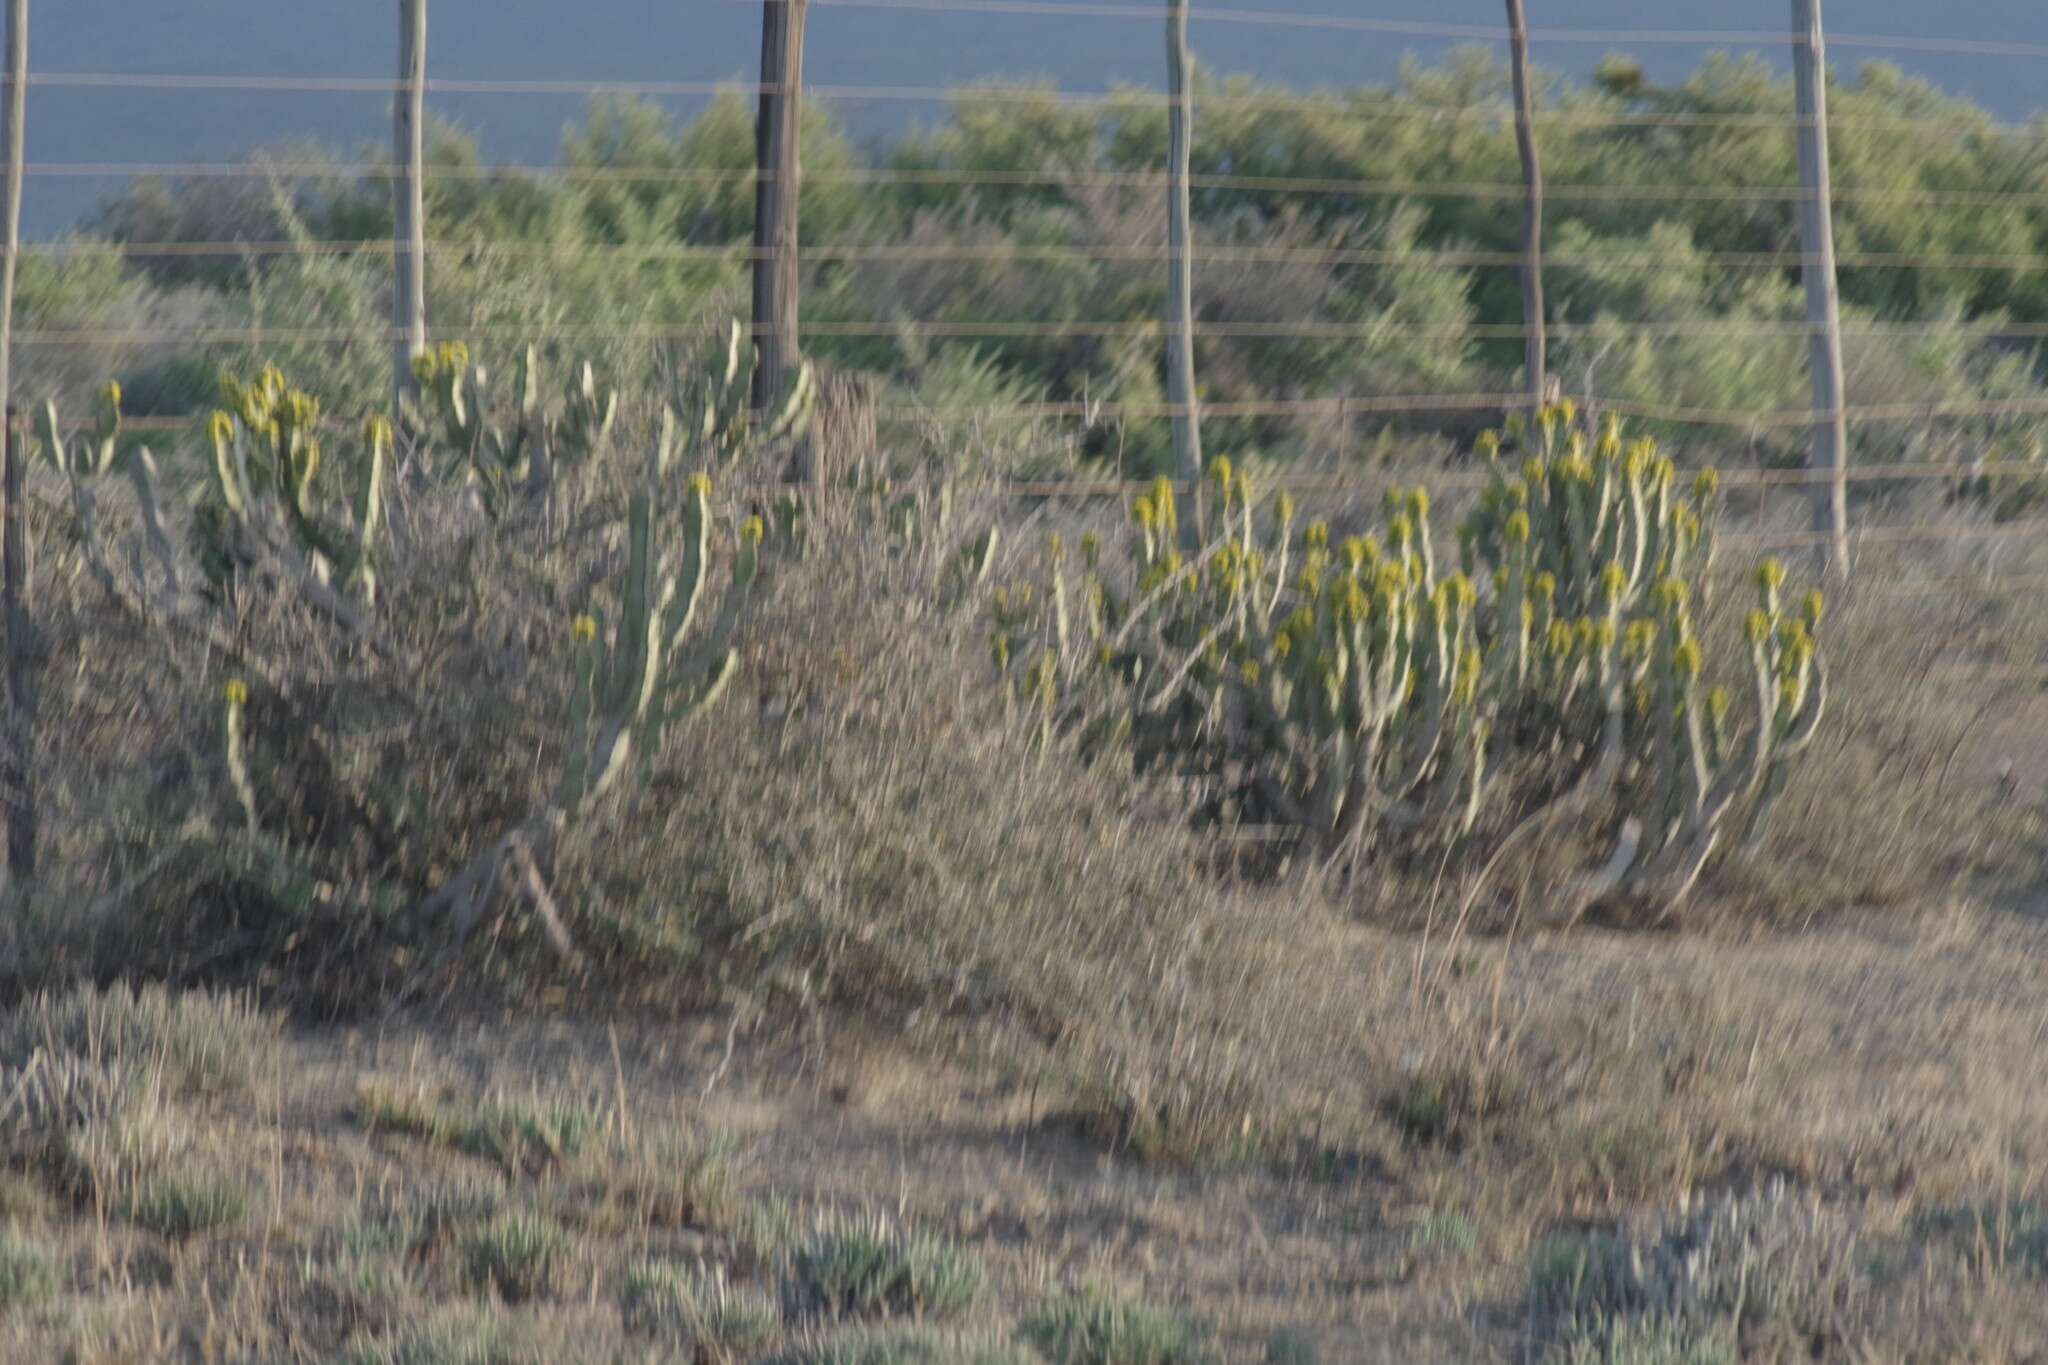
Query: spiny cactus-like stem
{"x": 235, "y": 701}
{"x": 1363, "y": 696}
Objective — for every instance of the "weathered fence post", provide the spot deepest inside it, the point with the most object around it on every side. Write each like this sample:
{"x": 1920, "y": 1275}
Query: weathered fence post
{"x": 778, "y": 167}
{"x": 409, "y": 234}
{"x": 1180, "y": 331}
{"x": 19, "y": 780}
{"x": 1536, "y": 362}
{"x": 1829, "y": 455}
{"x": 17, "y": 784}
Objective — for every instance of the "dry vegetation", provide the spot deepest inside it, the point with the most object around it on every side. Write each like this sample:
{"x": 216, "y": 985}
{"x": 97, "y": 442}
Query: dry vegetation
{"x": 893, "y": 1037}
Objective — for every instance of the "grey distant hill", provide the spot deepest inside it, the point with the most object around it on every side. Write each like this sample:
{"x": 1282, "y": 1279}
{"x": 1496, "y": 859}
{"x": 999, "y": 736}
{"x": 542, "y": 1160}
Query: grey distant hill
{"x": 693, "y": 40}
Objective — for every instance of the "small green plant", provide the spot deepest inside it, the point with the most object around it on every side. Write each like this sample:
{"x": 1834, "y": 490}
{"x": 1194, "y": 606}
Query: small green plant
{"x": 1999, "y": 1236}
{"x": 1444, "y": 1232}
{"x": 54, "y": 1096}
{"x": 681, "y": 1181}
{"x": 901, "y": 1348}
{"x": 180, "y": 1207}
{"x": 714, "y": 1321}
{"x": 516, "y": 1256}
{"x": 1569, "y": 1274}
{"x": 382, "y": 1108}
{"x": 199, "y": 1043}
{"x": 528, "y": 1138}
{"x": 1453, "y": 1103}
{"x": 765, "y": 1229}
{"x": 370, "y": 1257}
{"x": 1772, "y": 1266}
{"x": 524, "y": 1138}
{"x": 450, "y": 1210}
{"x": 27, "y": 1276}
{"x": 481, "y": 1337}
{"x": 1632, "y": 1342}
{"x": 1095, "y": 1329}
{"x": 863, "y": 1265}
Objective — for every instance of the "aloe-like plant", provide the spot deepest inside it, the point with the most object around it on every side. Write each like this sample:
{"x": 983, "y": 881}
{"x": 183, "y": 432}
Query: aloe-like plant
{"x": 268, "y": 442}
{"x": 291, "y": 520}
{"x": 1362, "y": 691}
{"x": 717, "y": 401}
{"x": 84, "y": 462}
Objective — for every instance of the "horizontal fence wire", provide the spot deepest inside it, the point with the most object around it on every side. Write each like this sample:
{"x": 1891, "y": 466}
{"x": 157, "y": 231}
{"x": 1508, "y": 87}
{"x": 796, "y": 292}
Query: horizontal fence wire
{"x": 1321, "y": 105}
{"x": 1125, "y": 97}
{"x": 1692, "y": 37}
{"x": 1030, "y": 329}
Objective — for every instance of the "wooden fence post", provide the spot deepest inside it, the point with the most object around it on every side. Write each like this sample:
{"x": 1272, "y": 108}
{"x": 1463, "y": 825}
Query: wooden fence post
{"x": 409, "y": 245}
{"x": 778, "y": 166}
{"x": 1536, "y": 362}
{"x": 1180, "y": 333}
{"x": 17, "y": 784}
{"x": 1829, "y": 453}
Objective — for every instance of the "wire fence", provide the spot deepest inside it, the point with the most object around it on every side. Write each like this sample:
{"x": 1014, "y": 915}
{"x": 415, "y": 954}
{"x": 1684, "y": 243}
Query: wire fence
{"x": 1365, "y": 111}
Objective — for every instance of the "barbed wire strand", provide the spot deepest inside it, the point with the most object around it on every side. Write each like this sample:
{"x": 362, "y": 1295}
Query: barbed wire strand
{"x": 1134, "y": 97}
{"x": 1134, "y": 253}
{"x": 1037, "y": 330}
{"x": 1473, "y": 32}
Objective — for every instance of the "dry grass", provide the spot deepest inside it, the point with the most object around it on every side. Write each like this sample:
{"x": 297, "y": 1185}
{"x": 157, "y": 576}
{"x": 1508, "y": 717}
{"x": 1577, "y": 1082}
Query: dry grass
{"x": 1748, "y": 1144}
{"x": 876, "y": 965}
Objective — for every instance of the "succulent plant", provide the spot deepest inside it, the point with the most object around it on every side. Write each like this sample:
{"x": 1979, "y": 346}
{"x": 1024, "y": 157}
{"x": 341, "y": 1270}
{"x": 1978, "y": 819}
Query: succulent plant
{"x": 1362, "y": 693}
{"x": 653, "y": 673}
{"x": 717, "y": 398}
{"x": 268, "y": 448}
{"x": 289, "y": 513}
{"x": 86, "y": 461}
{"x": 234, "y": 701}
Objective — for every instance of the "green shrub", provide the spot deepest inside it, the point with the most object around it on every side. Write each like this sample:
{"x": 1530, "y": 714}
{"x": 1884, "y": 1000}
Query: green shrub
{"x": 1093, "y": 1329}
{"x": 516, "y": 1256}
{"x": 1632, "y": 1342}
{"x": 27, "y": 1275}
{"x": 1452, "y": 1103}
{"x": 413, "y": 1112}
{"x": 901, "y": 1348}
{"x": 201, "y": 1043}
{"x": 477, "y": 1338}
{"x": 765, "y": 1229}
{"x": 714, "y": 1321}
{"x": 1772, "y": 1266}
{"x": 679, "y": 1181}
{"x": 863, "y": 1265}
{"x": 180, "y": 1207}
{"x": 447, "y": 1207}
{"x": 523, "y": 1137}
{"x": 55, "y": 1097}
{"x": 1444, "y": 1231}
{"x": 528, "y": 1137}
